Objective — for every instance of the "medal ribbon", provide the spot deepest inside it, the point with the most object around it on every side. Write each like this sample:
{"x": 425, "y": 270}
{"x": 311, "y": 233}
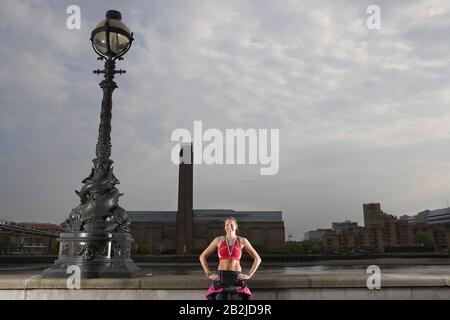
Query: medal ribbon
{"x": 230, "y": 252}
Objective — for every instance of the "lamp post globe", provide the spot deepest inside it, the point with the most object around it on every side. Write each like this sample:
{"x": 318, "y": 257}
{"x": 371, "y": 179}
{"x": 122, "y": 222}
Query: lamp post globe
{"x": 96, "y": 237}
{"x": 111, "y": 39}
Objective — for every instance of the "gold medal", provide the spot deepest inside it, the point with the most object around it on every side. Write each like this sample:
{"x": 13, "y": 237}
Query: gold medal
{"x": 230, "y": 251}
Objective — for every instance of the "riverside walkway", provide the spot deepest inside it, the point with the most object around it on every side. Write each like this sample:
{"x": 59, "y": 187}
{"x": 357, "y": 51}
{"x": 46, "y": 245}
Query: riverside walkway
{"x": 264, "y": 287}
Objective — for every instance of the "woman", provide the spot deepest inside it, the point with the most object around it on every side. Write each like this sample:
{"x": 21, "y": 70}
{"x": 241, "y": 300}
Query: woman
{"x": 229, "y": 279}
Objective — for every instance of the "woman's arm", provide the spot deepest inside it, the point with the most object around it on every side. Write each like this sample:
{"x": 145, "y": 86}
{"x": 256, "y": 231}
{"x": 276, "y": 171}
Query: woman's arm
{"x": 256, "y": 259}
{"x": 210, "y": 249}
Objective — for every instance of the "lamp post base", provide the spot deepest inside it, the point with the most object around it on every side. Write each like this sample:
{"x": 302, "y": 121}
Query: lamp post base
{"x": 97, "y": 254}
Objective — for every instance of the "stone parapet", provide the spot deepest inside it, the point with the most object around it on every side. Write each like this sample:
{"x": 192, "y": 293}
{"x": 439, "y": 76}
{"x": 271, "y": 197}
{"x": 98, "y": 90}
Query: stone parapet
{"x": 286, "y": 287}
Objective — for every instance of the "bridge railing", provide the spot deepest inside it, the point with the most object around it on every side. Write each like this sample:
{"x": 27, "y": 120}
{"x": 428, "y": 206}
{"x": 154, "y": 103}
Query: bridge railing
{"x": 13, "y": 226}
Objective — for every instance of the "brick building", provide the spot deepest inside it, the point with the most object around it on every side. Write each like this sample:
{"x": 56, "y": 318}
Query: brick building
{"x": 190, "y": 230}
{"x": 383, "y": 232}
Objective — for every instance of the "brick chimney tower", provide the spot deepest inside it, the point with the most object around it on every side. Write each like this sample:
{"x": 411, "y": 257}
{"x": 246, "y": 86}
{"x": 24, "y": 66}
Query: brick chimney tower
{"x": 185, "y": 213}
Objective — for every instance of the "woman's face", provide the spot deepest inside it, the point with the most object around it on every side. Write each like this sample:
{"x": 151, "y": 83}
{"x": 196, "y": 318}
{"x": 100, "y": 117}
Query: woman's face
{"x": 230, "y": 226}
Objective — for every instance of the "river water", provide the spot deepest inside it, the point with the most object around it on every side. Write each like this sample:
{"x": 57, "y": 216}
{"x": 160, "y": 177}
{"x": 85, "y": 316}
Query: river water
{"x": 187, "y": 269}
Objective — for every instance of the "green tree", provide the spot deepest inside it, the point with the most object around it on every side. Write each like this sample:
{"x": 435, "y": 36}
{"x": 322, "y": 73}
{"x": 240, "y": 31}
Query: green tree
{"x": 425, "y": 239}
{"x": 347, "y": 249}
{"x": 54, "y": 251}
{"x": 328, "y": 249}
{"x": 53, "y": 247}
{"x": 369, "y": 249}
{"x": 306, "y": 246}
{"x": 260, "y": 248}
{"x": 144, "y": 248}
{"x": 291, "y": 247}
{"x": 5, "y": 244}
{"x": 302, "y": 247}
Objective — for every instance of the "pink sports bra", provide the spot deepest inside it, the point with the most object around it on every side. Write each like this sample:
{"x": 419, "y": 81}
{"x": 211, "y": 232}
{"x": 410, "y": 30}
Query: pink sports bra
{"x": 232, "y": 251}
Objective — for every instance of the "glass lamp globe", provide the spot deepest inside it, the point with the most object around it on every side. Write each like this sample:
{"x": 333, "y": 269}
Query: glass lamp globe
{"x": 111, "y": 38}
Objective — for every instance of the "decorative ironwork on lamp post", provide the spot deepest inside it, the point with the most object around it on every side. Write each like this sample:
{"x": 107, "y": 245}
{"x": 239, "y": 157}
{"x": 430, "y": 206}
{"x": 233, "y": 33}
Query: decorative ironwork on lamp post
{"x": 96, "y": 236}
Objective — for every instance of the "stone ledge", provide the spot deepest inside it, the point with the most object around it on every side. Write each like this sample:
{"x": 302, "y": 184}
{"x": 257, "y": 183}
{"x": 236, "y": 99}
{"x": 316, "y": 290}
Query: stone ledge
{"x": 417, "y": 293}
{"x": 259, "y": 282}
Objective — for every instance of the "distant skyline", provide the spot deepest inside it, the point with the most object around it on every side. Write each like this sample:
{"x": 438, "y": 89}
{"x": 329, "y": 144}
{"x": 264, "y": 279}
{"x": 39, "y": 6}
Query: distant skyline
{"x": 363, "y": 114}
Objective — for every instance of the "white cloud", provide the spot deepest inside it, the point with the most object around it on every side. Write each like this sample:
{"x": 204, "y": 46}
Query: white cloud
{"x": 350, "y": 103}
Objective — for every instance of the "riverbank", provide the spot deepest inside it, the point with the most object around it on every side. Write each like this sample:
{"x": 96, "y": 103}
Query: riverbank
{"x": 381, "y": 262}
{"x": 268, "y": 259}
{"x": 387, "y": 265}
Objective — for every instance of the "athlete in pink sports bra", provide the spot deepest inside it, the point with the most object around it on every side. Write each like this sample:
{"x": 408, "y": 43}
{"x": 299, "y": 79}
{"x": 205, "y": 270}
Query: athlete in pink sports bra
{"x": 229, "y": 275}
{"x": 230, "y": 252}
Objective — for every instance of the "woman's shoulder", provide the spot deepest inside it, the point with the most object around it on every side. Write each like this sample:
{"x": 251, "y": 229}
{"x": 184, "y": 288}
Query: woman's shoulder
{"x": 218, "y": 240}
{"x": 242, "y": 240}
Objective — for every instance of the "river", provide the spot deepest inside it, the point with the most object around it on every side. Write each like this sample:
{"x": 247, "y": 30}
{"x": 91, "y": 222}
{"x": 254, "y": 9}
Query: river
{"x": 189, "y": 269}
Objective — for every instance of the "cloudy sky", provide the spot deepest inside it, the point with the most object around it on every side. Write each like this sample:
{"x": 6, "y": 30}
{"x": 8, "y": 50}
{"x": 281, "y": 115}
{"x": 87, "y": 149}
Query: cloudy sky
{"x": 363, "y": 114}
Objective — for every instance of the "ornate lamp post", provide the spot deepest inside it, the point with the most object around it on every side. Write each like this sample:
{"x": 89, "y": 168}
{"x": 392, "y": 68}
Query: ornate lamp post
{"x": 97, "y": 237}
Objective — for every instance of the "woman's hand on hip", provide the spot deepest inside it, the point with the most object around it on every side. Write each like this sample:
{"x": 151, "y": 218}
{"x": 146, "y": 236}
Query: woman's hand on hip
{"x": 242, "y": 276}
{"x": 214, "y": 277}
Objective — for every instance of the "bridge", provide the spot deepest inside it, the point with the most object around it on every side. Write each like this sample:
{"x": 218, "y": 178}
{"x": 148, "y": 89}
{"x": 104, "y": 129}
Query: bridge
{"x": 15, "y": 227}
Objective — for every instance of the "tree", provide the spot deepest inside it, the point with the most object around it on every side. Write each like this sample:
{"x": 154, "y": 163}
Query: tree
{"x": 306, "y": 246}
{"x": 369, "y": 249}
{"x": 5, "y": 244}
{"x": 303, "y": 247}
{"x": 328, "y": 249}
{"x": 53, "y": 247}
{"x": 144, "y": 248}
{"x": 425, "y": 239}
{"x": 291, "y": 247}
{"x": 260, "y": 248}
